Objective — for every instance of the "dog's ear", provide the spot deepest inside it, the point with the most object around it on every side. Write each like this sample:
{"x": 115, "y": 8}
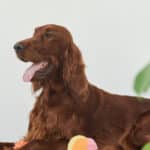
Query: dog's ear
{"x": 73, "y": 72}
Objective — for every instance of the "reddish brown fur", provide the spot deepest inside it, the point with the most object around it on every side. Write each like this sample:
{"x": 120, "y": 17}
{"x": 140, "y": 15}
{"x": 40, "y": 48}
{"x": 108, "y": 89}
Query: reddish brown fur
{"x": 70, "y": 105}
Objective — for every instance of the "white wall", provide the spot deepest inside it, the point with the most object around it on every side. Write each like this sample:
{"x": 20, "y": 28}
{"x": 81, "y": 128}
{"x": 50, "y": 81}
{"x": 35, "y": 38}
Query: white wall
{"x": 113, "y": 35}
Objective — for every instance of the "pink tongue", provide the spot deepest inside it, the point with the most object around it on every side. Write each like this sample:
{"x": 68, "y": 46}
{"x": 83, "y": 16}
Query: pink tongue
{"x": 29, "y": 73}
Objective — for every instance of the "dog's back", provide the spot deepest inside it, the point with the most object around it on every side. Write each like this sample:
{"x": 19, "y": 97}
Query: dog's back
{"x": 122, "y": 115}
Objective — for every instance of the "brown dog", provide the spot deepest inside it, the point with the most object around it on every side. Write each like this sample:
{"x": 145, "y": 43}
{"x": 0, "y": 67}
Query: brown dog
{"x": 69, "y": 105}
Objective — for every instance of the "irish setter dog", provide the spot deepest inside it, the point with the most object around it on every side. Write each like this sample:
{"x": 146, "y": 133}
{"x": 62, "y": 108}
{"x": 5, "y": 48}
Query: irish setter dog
{"x": 69, "y": 104}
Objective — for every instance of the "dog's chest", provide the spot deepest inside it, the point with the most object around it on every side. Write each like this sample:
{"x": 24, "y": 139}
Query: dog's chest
{"x": 59, "y": 121}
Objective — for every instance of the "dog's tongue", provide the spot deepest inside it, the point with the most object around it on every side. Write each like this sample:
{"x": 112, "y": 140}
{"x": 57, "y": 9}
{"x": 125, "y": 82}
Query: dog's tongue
{"x": 29, "y": 73}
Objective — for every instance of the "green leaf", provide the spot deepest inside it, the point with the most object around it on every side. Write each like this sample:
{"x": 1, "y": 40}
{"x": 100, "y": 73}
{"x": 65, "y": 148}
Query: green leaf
{"x": 142, "y": 80}
{"x": 146, "y": 147}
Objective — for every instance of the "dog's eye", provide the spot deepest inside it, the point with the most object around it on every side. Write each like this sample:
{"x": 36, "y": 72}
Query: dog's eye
{"x": 48, "y": 34}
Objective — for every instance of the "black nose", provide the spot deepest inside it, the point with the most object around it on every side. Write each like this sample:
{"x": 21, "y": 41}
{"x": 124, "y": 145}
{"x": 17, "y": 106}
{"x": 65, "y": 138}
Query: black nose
{"x": 18, "y": 46}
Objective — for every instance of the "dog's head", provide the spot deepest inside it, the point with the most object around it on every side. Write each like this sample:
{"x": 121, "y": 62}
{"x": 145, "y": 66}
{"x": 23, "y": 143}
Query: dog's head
{"x": 45, "y": 49}
{"x": 54, "y": 56}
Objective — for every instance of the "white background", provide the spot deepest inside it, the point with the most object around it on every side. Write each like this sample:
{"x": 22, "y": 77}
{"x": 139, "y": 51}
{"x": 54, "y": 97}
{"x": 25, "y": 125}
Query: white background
{"x": 114, "y": 36}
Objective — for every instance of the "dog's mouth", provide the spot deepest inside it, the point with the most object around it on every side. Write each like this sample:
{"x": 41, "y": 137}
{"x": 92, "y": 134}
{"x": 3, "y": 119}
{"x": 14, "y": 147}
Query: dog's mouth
{"x": 36, "y": 69}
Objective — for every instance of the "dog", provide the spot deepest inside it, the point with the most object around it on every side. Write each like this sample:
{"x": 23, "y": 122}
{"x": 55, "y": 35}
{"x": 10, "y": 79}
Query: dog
{"x": 69, "y": 104}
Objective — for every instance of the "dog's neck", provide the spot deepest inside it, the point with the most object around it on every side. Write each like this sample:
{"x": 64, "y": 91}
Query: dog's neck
{"x": 56, "y": 86}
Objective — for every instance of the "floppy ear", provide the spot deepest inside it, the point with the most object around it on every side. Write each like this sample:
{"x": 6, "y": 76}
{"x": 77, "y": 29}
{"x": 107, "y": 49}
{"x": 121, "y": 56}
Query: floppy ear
{"x": 73, "y": 72}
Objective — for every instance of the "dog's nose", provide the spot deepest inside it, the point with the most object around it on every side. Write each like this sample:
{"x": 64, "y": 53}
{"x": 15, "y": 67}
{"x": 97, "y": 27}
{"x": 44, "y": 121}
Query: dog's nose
{"x": 19, "y": 47}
